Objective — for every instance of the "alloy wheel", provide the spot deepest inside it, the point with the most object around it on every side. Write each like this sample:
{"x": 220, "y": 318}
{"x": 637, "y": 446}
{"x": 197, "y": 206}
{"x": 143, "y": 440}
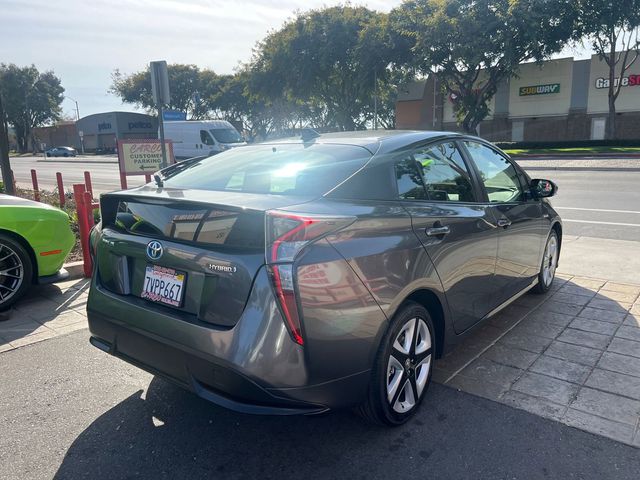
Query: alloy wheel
{"x": 550, "y": 261}
{"x": 11, "y": 273}
{"x": 409, "y": 365}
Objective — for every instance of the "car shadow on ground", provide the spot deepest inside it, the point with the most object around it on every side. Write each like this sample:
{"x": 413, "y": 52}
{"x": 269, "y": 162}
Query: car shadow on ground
{"x": 166, "y": 432}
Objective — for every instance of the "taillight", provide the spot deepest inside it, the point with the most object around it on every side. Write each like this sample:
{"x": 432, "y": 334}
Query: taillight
{"x": 286, "y": 235}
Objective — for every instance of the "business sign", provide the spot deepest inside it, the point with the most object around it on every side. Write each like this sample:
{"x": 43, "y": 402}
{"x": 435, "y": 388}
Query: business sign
{"x": 173, "y": 116}
{"x": 540, "y": 89}
{"x": 630, "y": 81}
{"x": 142, "y": 157}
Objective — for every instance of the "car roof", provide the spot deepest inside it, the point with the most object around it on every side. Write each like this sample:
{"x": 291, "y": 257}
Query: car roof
{"x": 373, "y": 140}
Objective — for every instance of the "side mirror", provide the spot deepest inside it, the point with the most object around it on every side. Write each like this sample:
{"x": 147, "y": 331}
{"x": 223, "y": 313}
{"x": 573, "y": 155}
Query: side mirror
{"x": 541, "y": 188}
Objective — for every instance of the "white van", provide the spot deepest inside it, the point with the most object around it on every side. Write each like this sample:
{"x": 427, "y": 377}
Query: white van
{"x": 196, "y": 138}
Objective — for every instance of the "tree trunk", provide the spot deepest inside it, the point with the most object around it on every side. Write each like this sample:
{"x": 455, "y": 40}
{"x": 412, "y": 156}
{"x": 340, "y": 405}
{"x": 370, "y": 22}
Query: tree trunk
{"x": 5, "y": 166}
{"x": 610, "y": 128}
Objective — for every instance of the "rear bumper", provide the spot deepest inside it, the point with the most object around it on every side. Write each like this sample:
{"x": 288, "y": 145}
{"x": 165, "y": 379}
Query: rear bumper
{"x": 253, "y": 367}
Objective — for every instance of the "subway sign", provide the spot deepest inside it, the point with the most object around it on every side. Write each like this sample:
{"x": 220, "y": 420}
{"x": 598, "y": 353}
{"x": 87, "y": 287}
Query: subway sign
{"x": 539, "y": 89}
{"x": 630, "y": 81}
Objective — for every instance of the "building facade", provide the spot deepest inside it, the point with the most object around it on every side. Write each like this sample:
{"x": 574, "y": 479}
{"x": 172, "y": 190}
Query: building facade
{"x": 101, "y": 131}
{"x": 562, "y": 99}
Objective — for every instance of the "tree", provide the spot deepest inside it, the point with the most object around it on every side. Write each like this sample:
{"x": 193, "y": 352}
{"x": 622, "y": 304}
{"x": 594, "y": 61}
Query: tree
{"x": 31, "y": 99}
{"x": 472, "y": 45}
{"x": 612, "y": 28}
{"x": 321, "y": 60}
{"x": 187, "y": 83}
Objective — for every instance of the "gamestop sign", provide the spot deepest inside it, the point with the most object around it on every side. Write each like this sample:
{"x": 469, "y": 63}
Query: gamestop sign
{"x": 630, "y": 81}
{"x": 142, "y": 157}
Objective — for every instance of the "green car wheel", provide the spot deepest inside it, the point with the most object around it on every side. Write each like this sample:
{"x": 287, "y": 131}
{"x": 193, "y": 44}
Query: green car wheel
{"x": 16, "y": 271}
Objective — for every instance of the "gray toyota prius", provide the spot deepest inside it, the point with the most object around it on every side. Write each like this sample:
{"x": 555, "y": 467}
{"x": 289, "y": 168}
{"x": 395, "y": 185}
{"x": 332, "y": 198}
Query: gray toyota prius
{"x": 321, "y": 272}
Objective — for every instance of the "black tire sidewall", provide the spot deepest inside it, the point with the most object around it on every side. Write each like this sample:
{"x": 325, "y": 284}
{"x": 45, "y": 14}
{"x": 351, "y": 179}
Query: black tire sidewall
{"x": 25, "y": 258}
{"x": 409, "y": 311}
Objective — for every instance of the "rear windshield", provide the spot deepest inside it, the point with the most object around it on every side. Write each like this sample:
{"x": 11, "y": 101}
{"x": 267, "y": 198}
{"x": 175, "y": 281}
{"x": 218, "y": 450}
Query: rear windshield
{"x": 226, "y": 135}
{"x": 288, "y": 169}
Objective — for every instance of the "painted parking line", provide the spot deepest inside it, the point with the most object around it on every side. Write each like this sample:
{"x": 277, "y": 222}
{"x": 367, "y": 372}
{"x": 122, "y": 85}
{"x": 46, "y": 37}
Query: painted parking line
{"x": 597, "y": 210}
{"x": 602, "y": 223}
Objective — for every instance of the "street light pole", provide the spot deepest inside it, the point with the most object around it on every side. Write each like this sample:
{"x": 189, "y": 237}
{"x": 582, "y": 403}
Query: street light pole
{"x": 77, "y": 109}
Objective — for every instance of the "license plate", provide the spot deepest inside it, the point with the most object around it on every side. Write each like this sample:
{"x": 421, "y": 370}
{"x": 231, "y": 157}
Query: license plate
{"x": 163, "y": 285}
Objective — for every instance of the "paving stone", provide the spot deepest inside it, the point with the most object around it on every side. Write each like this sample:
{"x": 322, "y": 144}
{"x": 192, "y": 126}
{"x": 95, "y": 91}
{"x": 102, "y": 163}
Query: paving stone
{"x": 562, "y": 369}
{"x": 593, "y": 283}
{"x": 542, "y": 329}
{"x": 607, "y": 405}
{"x": 513, "y": 357}
{"x": 14, "y": 335}
{"x": 616, "y": 296}
{"x": 594, "y": 326}
{"x": 503, "y": 321}
{"x": 602, "y": 315}
{"x": 40, "y": 310}
{"x": 550, "y": 317}
{"x": 552, "y": 389}
{"x": 614, "y": 382}
{"x": 574, "y": 353}
{"x": 632, "y": 320}
{"x": 587, "y": 339}
{"x": 440, "y": 375}
{"x": 535, "y": 405}
{"x": 635, "y": 309}
{"x": 577, "y": 290}
{"x": 622, "y": 287}
{"x": 67, "y": 318}
{"x": 481, "y": 388}
{"x": 600, "y": 426}
{"x": 559, "y": 307}
{"x": 5, "y": 347}
{"x": 624, "y": 347}
{"x": 620, "y": 363}
{"x": 457, "y": 358}
{"x": 529, "y": 301}
{"x": 530, "y": 343}
{"x": 70, "y": 328}
{"x": 571, "y": 298}
{"x": 610, "y": 305}
{"x": 488, "y": 371}
{"x": 628, "y": 332}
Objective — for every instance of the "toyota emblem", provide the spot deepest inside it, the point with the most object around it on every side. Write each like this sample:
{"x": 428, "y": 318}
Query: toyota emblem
{"x": 154, "y": 250}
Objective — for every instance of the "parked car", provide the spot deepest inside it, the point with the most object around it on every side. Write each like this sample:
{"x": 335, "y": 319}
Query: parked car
{"x": 35, "y": 239}
{"x": 329, "y": 272}
{"x": 206, "y": 137}
{"x": 61, "y": 152}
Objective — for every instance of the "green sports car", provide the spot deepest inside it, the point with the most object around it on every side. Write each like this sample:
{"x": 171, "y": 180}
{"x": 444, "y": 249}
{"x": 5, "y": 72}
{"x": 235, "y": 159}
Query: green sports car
{"x": 35, "y": 239}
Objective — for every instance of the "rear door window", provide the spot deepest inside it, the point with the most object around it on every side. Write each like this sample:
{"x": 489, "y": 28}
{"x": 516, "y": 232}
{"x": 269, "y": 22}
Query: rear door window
{"x": 435, "y": 172}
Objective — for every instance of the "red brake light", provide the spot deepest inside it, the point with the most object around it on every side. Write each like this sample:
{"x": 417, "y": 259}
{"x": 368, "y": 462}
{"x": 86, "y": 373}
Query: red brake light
{"x": 286, "y": 235}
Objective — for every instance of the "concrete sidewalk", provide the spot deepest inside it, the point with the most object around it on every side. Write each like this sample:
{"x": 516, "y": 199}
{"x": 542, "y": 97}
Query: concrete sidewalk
{"x": 578, "y": 164}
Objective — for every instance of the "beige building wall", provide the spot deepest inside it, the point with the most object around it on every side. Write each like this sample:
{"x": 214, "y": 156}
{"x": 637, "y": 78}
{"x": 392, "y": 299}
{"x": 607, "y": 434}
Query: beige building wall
{"x": 629, "y": 99}
{"x": 552, "y": 74}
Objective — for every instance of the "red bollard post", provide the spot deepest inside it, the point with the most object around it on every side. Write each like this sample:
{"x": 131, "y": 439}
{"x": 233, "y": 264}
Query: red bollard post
{"x": 60, "y": 189}
{"x": 147, "y": 178}
{"x": 83, "y": 225}
{"x": 34, "y": 181}
{"x": 87, "y": 182}
{"x": 123, "y": 181}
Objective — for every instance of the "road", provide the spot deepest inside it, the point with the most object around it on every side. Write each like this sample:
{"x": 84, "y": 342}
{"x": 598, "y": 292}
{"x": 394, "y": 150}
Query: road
{"x": 603, "y": 204}
{"x": 84, "y": 414}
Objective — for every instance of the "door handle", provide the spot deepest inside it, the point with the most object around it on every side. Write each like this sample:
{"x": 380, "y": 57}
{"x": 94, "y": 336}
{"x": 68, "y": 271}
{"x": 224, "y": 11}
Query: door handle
{"x": 504, "y": 222}
{"x": 436, "y": 231}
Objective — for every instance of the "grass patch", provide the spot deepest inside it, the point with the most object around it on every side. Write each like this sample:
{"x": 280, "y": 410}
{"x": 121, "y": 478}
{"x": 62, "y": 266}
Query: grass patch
{"x": 574, "y": 150}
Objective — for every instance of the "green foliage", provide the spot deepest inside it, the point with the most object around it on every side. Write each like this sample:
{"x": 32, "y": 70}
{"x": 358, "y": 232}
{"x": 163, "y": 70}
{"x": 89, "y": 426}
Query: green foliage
{"x": 30, "y": 98}
{"x": 325, "y": 62}
{"x": 472, "y": 45}
{"x": 189, "y": 86}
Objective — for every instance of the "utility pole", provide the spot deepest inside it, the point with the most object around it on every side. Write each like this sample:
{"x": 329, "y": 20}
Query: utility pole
{"x": 5, "y": 166}
{"x": 375, "y": 99}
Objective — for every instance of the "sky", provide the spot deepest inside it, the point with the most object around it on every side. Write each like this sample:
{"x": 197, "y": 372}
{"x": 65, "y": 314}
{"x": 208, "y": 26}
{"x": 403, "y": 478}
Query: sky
{"x": 84, "y": 41}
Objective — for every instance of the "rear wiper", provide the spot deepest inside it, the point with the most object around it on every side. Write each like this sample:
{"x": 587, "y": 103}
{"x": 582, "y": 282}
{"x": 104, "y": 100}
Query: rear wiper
{"x": 172, "y": 170}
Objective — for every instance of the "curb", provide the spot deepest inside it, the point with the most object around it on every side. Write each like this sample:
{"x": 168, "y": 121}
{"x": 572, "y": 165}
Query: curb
{"x": 561, "y": 156}
{"x": 75, "y": 269}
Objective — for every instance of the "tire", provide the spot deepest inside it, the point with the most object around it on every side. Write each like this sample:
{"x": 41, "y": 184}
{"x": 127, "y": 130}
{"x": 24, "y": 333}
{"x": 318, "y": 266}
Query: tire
{"x": 549, "y": 264}
{"x": 407, "y": 368}
{"x": 17, "y": 271}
